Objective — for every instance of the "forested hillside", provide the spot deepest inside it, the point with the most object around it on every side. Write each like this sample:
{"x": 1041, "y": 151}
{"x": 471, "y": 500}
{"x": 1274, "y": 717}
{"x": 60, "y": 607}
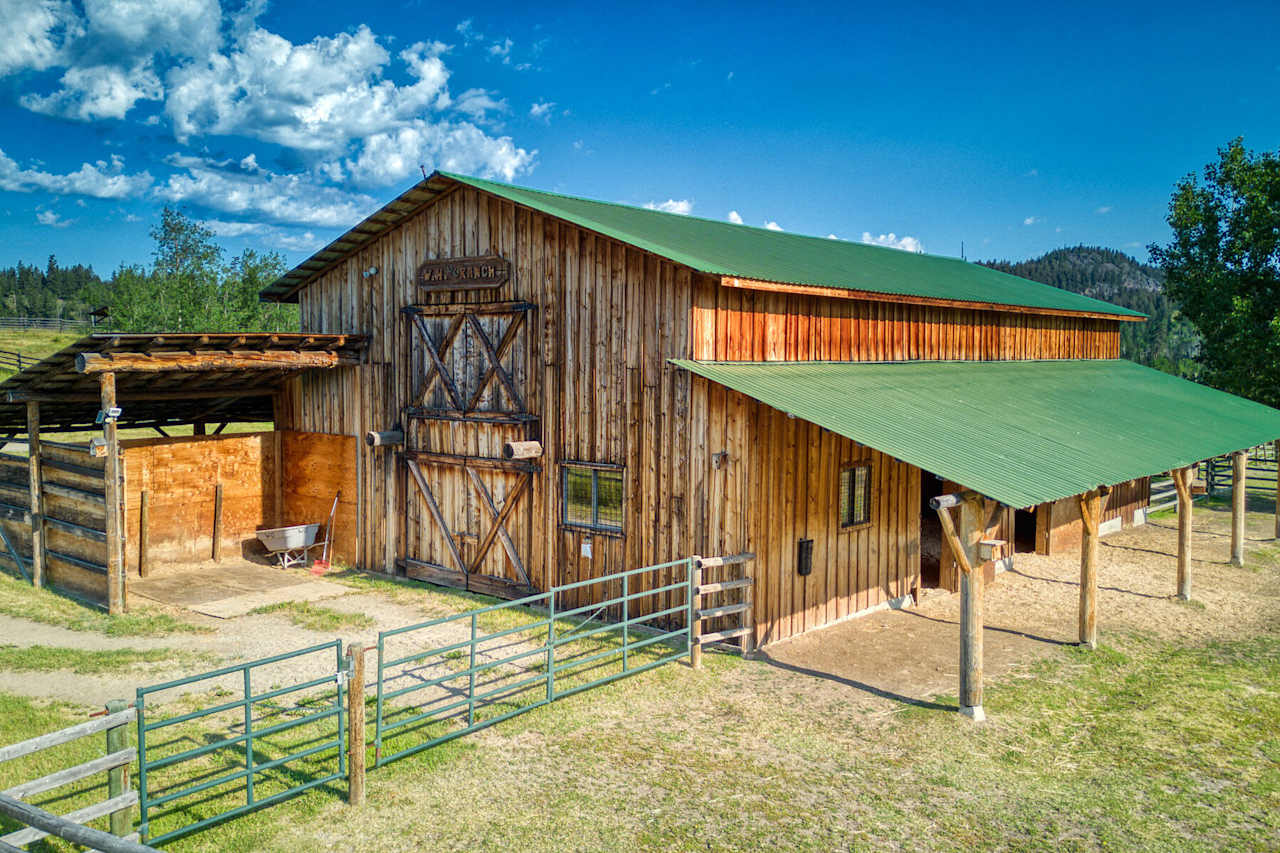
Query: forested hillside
{"x": 27, "y": 290}
{"x": 1166, "y": 341}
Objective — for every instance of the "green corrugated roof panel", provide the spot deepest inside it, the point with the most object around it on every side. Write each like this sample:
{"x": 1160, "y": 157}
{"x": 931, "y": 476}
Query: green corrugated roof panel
{"x": 1021, "y": 432}
{"x": 722, "y": 248}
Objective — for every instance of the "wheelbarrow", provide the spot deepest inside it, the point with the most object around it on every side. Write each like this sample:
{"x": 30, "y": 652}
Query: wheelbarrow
{"x": 290, "y": 545}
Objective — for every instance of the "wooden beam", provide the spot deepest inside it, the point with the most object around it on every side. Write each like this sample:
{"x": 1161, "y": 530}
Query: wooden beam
{"x": 1091, "y": 508}
{"x": 1182, "y": 478}
{"x": 872, "y": 296}
{"x": 1239, "y": 494}
{"x": 37, "y": 495}
{"x": 970, "y": 621}
{"x": 46, "y": 396}
{"x": 115, "y": 569}
{"x": 205, "y": 360}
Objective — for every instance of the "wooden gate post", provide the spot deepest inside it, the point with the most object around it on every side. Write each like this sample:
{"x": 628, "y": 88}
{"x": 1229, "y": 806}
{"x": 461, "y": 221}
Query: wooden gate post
{"x": 695, "y": 623}
{"x": 121, "y": 820}
{"x": 355, "y": 726}
{"x": 1239, "y": 493}
{"x": 1182, "y": 482}
{"x": 115, "y": 570}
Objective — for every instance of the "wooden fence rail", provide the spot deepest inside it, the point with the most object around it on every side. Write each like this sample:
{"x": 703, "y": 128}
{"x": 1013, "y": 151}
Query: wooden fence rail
{"x": 119, "y": 802}
{"x": 51, "y": 324}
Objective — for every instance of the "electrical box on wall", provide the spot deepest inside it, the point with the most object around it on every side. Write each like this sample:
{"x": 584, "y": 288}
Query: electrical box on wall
{"x": 804, "y": 557}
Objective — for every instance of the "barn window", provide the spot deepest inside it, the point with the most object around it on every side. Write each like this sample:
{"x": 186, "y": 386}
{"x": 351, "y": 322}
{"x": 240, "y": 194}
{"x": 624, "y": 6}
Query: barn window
{"x": 593, "y": 497}
{"x": 855, "y": 495}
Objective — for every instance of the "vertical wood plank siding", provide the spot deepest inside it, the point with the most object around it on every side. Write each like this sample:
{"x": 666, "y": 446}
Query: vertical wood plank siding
{"x": 705, "y": 470}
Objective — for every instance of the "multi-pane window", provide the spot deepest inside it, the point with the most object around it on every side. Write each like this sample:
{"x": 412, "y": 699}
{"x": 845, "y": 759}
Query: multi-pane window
{"x": 855, "y": 495}
{"x": 593, "y": 497}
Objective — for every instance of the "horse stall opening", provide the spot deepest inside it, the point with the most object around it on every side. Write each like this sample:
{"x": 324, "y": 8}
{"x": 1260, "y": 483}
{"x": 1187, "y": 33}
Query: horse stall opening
{"x": 268, "y": 479}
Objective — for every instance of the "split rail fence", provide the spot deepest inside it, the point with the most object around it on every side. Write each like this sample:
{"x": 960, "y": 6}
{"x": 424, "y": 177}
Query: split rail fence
{"x": 279, "y": 735}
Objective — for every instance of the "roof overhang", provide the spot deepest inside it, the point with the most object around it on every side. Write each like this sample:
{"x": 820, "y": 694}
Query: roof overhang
{"x": 1019, "y": 432}
{"x": 168, "y": 379}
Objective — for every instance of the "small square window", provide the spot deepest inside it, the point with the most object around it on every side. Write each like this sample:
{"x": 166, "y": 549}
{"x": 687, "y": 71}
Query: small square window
{"x": 855, "y": 495}
{"x": 593, "y": 497}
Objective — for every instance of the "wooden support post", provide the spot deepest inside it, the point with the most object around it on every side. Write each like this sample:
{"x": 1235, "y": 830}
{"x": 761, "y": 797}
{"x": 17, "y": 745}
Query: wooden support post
{"x": 1275, "y": 447}
{"x": 198, "y": 428}
{"x": 37, "y": 497}
{"x": 217, "y": 524}
{"x": 1182, "y": 478}
{"x": 355, "y": 725}
{"x": 121, "y": 821}
{"x": 695, "y": 624}
{"x": 144, "y": 534}
{"x": 115, "y": 571}
{"x": 277, "y": 472}
{"x": 1091, "y": 507}
{"x": 971, "y": 583}
{"x": 748, "y": 618}
{"x": 1239, "y": 492}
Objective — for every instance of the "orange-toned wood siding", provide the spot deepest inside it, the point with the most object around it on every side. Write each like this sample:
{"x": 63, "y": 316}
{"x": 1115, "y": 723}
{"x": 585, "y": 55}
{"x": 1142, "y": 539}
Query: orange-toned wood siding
{"x": 1064, "y": 530}
{"x": 315, "y": 469}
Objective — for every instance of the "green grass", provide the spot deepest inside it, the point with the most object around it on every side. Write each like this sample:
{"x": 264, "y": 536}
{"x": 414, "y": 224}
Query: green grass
{"x": 18, "y": 598}
{"x": 315, "y": 617}
{"x": 91, "y": 662}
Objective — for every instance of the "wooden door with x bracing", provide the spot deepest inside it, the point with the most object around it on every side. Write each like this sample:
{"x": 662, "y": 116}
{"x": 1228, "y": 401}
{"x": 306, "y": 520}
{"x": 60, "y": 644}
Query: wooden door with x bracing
{"x": 468, "y": 518}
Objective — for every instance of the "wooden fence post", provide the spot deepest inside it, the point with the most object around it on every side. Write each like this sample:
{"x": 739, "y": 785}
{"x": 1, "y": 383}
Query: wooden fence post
{"x": 121, "y": 820}
{"x": 748, "y": 618}
{"x": 1239, "y": 494}
{"x": 144, "y": 536}
{"x": 355, "y": 726}
{"x": 217, "y": 523}
{"x": 1275, "y": 451}
{"x": 695, "y": 624}
{"x": 37, "y": 495}
{"x": 115, "y": 572}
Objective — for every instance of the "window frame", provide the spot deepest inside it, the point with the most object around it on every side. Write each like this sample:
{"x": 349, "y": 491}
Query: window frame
{"x": 595, "y": 527}
{"x": 850, "y": 470}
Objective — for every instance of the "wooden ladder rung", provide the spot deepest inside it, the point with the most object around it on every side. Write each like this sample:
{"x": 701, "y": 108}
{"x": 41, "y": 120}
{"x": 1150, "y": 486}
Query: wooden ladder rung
{"x": 721, "y": 636}
{"x": 723, "y": 586}
{"x": 724, "y": 610}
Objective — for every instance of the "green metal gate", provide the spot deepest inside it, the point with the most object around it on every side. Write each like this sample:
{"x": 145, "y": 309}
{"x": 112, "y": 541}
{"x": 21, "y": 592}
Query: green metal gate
{"x": 465, "y": 672}
{"x": 273, "y": 749}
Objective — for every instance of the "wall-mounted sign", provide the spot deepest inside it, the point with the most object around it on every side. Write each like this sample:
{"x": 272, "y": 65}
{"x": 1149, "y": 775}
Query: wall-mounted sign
{"x": 482, "y": 273}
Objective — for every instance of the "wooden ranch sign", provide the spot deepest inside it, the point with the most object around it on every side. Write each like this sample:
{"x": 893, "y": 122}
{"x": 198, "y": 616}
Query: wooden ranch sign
{"x": 481, "y": 273}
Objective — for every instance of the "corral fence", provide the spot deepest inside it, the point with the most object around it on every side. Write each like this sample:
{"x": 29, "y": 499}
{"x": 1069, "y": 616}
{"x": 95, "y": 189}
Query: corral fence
{"x": 15, "y": 361}
{"x": 116, "y": 806}
{"x": 244, "y": 737}
{"x": 46, "y": 324}
{"x": 1260, "y": 475}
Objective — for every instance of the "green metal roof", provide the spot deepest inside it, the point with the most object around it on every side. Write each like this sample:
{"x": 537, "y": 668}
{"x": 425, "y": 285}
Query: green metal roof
{"x": 722, "y": 248}
{"x": 1021, "y": 432}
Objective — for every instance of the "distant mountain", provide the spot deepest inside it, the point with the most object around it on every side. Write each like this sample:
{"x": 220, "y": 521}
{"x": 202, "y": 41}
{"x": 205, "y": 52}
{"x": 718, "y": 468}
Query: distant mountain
{"x": 1167, "y": 341}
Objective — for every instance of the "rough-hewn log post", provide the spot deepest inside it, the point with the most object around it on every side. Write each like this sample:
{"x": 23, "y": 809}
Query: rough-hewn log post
{"x": 1091, "y": 507}
{"x": 971, "y": 583}
{"x": 1239, "y": 492}
{"x": 695, "y": 604}
{"x": 121, "y": 821}
{"x": 217, "y": 523}
{"x": 37, "y": 497}
{"x": 144, "y": 535}
{"x": 355, "y": 726}
{"x": 115, "y": 571}
{"x": 1182, "y": 478}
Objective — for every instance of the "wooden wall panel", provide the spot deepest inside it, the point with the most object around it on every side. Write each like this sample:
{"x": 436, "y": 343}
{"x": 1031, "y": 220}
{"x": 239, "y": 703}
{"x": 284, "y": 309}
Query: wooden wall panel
{"x": 1063, "y": 517}
{"x": 315, "y": 469}
{"x": 181, "y": 475}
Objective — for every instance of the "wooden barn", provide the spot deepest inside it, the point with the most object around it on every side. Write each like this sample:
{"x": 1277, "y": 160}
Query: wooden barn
{"x": 525, "y": 389}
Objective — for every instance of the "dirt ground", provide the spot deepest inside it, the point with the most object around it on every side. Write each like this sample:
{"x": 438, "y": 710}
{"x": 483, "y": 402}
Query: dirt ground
{"x": 887, "y": 658}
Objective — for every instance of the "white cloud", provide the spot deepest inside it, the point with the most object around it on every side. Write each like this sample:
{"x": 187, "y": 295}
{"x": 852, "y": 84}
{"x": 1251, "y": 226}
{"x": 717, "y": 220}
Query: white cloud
{"x": 467, "y": 30}
{"x": 223, "y": 228}
{"x": 50, "y": 218}
{"x": 273, "y": 237}
{"x": 542, "y": 110}
{"x": 385, "y": 158}
{"x": 1104, "y": 210}
{"x": 735, "y": 217}
{"x": 893, "y": 241}
{"x": 832, "y": 237}
{"x": 773, "y": 226}
{"x": 681, "y": 206}
{"x": 293, "y": 198}
{"x": 102, "y": 179}
{"x": 478, "y": 103}
{"x": 502, "y": 50}
{"x": 98, "y": 91}
{"x": 35, "y": 33}
{"x": 177, "y": 27}
{"x": 1032, "y": 220}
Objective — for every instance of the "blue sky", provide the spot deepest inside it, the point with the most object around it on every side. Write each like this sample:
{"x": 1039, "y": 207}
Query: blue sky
{"x": 1014, "y": 128}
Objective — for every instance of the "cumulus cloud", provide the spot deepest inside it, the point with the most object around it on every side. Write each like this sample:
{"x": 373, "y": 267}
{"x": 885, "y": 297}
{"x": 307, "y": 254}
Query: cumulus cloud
{"x": 103, "y": 179}
{"x": 388, "y": 157}
{"x": 51, "y": 218}
{"x": 893, "y": 241}
{"x": 681, "y": 206}
{"x": 542, "y": 110}
{"x": 502, "y": 50}
{"x": 98, "y": 91}
{"x": 292, "y": 198}
{"x": 773, "y": 226}
{"x": 478, "y": 103}
{"x": 1031, "y": 220}
{"x": 735, "y": 217}
{"x": 35, "y": 33}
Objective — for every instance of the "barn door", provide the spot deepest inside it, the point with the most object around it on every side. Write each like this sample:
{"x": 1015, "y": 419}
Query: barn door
{"x": 468, "y": 516}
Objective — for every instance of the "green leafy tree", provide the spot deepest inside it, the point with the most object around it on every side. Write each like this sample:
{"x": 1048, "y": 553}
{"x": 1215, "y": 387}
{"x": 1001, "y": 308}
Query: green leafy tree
{"x": 1222, "y": 267}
